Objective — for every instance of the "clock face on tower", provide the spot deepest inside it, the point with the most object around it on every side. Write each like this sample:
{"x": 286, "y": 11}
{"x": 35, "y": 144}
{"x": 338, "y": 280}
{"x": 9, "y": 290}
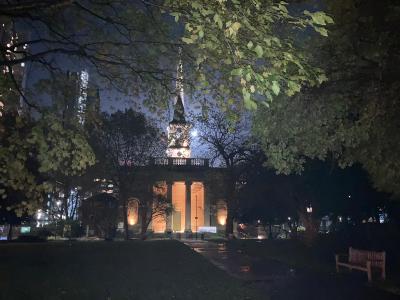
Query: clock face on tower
{"x": 178, "y": 136}
{"x": 178, "y": 140}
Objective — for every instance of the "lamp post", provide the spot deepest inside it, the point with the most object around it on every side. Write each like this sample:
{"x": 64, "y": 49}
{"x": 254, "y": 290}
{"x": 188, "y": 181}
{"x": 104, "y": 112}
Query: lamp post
{"x": 309, "y": 212}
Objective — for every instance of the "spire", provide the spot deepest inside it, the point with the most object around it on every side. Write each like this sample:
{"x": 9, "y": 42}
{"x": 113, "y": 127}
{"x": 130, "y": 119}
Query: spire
{"x": 179, "y": 110}
{"x": 179, "y": 77}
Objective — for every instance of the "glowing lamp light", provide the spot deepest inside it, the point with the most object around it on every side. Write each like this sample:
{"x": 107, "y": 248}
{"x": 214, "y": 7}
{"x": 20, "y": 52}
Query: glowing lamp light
{"x": 132, "y": 221}
{"x": 222, "y": 220}
{"x": 309, "y": 209}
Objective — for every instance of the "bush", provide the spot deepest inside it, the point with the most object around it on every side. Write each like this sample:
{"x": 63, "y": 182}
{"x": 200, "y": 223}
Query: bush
{"x": 44, "y": 233}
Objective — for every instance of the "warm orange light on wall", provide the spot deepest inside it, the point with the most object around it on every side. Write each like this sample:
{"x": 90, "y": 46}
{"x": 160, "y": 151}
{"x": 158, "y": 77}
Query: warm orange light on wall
{"x": 132, "y": 221}
{"x": 179, "y": 204}
{"x": 222, "y": 213}
{"x": 133, "y": 206}
{"x": 222, "y": 220}
{"x": 197, "y": 205}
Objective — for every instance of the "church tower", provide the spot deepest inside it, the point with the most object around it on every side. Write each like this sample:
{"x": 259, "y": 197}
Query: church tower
{"x": 179, "y": 129}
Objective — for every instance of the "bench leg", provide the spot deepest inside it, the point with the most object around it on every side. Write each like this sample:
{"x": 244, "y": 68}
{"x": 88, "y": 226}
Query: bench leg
{"x": 337, "y": 260}
{"x": 369, "y": 271}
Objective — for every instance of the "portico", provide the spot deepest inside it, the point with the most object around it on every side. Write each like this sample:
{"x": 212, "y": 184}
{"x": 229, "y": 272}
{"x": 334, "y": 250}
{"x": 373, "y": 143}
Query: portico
{"x": 190, "y": 207}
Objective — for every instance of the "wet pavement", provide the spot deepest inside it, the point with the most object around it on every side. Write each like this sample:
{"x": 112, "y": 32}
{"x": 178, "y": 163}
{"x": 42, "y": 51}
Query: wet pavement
{"x": 239, "y": 264}
{"x": 280, "y": 281}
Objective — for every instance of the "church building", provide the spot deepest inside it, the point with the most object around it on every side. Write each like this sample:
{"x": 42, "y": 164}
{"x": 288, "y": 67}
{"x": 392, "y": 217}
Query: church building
{"x": 189, "y": 184}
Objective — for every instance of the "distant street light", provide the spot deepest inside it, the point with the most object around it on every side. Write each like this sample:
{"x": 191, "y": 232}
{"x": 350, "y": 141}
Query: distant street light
{"x": 309, "y": 209}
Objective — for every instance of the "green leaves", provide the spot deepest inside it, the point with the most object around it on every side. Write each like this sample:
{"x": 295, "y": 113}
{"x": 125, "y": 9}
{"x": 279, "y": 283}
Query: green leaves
{"x": 248, "y": 102}
{"x": 237, "y": 72}
{"x": 233, "y": 44}
{"x": 318, "y": 21}
{"x": 46, "y": 144}
{"x": 321, "y": 30}
{"x": 275, "y": 87}
{"x": 218, "y": 20}
{"x": 319, "y": 18}
{"x": 187, "y": 40}
{"x": 259, "y": 51}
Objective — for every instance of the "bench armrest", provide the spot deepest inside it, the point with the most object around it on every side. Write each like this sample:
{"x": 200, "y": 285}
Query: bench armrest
{"x": 341, "y": 256}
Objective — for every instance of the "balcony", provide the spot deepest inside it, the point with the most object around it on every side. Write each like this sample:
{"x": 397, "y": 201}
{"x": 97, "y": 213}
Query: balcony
{"x": 181, "y": 162}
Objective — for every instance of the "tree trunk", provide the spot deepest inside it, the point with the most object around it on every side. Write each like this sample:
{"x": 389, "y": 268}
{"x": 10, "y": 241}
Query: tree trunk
{"x": 229, "y": 223}
{"x": 143, "y": 223}
{"x": 67, "y": 194}
{"x": 10, "y": 233}
{"x": 270, "y": 236}
{"x": 125, "y": 217}
{"x": 231, "y": 206}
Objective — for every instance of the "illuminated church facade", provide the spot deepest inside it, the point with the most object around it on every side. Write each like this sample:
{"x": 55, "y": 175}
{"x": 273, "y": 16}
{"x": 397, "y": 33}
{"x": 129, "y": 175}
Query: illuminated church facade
{"x": 189, "y": 183}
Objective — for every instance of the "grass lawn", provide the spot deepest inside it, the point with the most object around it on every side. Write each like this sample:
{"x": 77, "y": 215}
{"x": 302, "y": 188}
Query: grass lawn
{"x": 113, "y": 270}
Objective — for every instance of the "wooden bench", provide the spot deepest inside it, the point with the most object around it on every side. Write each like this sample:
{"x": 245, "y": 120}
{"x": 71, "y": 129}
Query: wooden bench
{"x": 363, "y": 260}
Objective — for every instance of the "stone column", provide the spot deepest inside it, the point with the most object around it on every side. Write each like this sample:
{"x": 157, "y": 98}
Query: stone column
{"x": 169, "y": 198}
{"x": 188, "y": 206}
{"x": 207, "y": 211}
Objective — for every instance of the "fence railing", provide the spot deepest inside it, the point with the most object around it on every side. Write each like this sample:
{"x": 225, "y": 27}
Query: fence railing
{"x": 177, "y": 161}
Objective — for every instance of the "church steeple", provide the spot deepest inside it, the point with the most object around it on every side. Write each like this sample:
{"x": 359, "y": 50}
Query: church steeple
{"x": 178, "y": 129}
{"x": 179, "y": 78}
{"x": 179, "y": 111}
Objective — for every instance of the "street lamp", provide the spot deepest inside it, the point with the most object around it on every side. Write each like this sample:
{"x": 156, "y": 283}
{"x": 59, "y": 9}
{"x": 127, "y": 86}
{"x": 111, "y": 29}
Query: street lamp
{"x": 309, "y": 209}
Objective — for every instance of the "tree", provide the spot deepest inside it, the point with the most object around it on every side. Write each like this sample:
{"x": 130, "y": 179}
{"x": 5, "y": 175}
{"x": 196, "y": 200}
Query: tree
{"x": 352, "y": 118}
{"x": 121, "y": 39}
{"x": 153, "y": 204}
{"x": 30, "y": 152}
{"x": 101, "y": 212}
{"x": 329, "y": 190}
{"x": 9, "y": 216}
{"x": 137, "y": 41}
{"x": 125, "y": 142}
{"x": 228, "y": 145}
{"x": 246, "y": 49}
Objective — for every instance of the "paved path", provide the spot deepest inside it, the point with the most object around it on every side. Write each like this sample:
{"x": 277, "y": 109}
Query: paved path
{"x": 239, "y": 264}
{"x": 280, "y": 281}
